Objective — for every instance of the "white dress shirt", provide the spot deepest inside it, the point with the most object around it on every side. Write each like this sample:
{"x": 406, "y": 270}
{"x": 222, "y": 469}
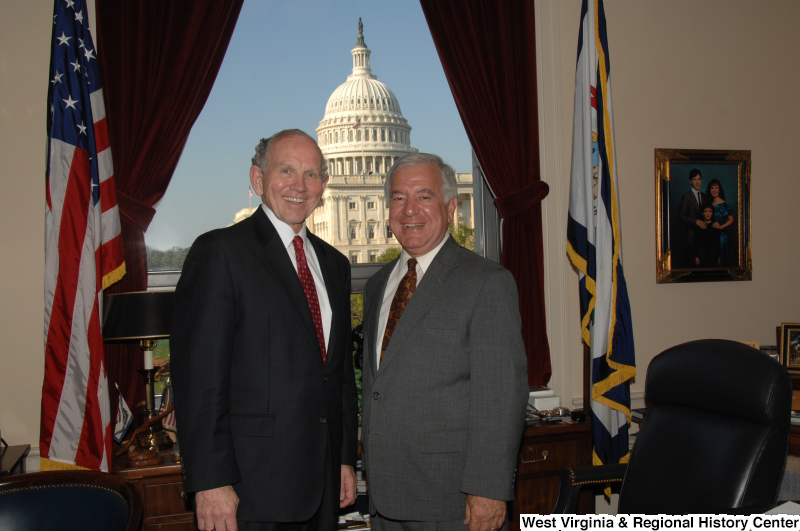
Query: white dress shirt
{"x": 287, "y": 234}
{"x": 395, "y": 277}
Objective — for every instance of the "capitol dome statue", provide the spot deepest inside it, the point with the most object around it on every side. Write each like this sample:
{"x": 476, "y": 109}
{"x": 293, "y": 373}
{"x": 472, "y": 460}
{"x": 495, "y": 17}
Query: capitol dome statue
{"x": 362, "y": 133}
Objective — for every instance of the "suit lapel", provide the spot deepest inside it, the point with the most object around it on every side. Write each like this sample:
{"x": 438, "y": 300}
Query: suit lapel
{"x": 373, "y": 307}
{"x": 280, "y": 265}
{"x": 425, "y": 296}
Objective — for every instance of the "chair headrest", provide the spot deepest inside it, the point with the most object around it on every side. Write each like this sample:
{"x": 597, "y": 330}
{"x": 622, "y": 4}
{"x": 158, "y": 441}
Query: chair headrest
{"x": 725, "y": 377}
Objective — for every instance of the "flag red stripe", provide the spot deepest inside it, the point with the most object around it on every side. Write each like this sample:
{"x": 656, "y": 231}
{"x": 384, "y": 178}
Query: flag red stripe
{"x": 111, "y": 255}
{"x": 101, "y": 135}
{"x": 74, "y": 218}
{"x": 108, "y": 193}
{"x": 91, "y": 445}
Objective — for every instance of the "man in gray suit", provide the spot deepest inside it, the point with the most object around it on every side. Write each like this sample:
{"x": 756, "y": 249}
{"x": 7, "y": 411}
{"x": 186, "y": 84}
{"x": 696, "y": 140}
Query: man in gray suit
{"x": 445, "y": 385}
{"x": 689, "y": 214}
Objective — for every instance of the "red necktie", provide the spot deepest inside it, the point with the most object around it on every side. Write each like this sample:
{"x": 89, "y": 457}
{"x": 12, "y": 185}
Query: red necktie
{"x": 311, "y": 291}
{"x": 401, "y": 297}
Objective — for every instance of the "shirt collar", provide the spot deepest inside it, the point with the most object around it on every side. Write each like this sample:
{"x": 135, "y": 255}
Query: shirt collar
{"x": 424, "y": 261}
{"x": 285, "y": 232}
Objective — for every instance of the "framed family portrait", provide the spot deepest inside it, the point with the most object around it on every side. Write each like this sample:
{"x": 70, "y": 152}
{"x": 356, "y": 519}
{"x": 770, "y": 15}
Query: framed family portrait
{"x": 702, "y": 215}
{"x": 790, "y": 346}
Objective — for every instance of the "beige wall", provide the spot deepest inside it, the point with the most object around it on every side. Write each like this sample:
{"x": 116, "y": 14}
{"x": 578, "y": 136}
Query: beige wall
{"x": 24, "y": 64}
{"x": 715, "y": 74}
{"x": 24, "y": 61}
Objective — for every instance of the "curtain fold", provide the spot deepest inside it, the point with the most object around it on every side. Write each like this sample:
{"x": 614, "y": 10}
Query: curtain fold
{"x": 159, "y": 61}
{"x": 488, "y": 52}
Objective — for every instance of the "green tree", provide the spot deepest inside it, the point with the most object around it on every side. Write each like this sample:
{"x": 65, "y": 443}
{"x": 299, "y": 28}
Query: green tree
{"x": 389, "y": 254}
{"x": 169, "y": 260}
{"x": 356, "y": 309}
{"x": 463, "y": 235}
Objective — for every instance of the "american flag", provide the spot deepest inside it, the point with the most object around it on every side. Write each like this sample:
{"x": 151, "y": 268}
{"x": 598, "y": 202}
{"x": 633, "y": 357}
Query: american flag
{"x": 357, "y": 124}
{"x": 84, "y": 251}
{"x": 166, "y": 400}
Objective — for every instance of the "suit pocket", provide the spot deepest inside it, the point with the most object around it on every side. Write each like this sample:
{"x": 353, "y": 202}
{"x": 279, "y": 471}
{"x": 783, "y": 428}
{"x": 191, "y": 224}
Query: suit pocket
{"x": 252, "y": 425}
{"x": 443, "y": 442}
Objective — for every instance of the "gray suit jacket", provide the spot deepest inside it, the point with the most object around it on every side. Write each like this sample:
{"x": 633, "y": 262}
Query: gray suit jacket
{"x": 444, "y": 413}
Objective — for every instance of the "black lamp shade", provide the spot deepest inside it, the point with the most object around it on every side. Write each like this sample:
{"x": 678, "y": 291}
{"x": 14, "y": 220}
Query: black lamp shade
{"x": 137, "y": 315}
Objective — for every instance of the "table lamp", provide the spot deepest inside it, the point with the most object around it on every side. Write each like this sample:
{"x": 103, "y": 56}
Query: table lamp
{"x": 144, "y": 316}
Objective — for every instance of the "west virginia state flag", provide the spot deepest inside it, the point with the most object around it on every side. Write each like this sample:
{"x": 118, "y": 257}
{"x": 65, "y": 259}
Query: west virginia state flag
{"x": 594, "y": 242}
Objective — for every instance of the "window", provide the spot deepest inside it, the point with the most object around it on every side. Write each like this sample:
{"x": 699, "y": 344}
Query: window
{"x": 178, "y": 222}
{"x": 373, "y": 257}
{"x": 358, "y": 135}
{"x": 371, "y": 205}
{"x": 350, "y": 135}
{"x": 371, "y": 232}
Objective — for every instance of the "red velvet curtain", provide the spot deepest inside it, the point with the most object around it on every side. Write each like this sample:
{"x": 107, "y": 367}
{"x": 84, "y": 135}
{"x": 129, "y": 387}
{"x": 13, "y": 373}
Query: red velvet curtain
{"x": 488, "y": 51}
{"x": 159, "y": 61}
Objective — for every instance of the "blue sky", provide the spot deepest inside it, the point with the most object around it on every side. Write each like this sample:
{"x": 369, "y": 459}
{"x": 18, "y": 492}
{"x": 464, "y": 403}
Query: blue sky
{"x": 284, "y": 61}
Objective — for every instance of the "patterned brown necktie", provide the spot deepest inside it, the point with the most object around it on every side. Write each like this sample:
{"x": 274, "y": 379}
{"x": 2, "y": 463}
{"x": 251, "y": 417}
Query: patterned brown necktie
{"x": 401, "y": 297}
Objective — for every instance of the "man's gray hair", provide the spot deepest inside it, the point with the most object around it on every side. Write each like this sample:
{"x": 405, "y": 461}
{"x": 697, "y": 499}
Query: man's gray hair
{"x": 264, "y": 146}
{"x": 447, "y": 174}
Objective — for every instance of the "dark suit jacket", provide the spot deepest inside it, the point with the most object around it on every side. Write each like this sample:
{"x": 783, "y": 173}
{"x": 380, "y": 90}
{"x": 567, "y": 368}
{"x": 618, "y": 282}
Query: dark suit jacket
{"x": 443, "y": 414}
{"x": 255, "y": 406}
{"x": 688, "y": 215}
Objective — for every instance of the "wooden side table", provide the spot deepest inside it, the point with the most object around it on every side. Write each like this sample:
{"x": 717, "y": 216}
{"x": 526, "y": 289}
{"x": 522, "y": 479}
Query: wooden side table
{"x": 161, "y": 486}
{"x": 545, "y": 450}
{"x": 13, "y": 457}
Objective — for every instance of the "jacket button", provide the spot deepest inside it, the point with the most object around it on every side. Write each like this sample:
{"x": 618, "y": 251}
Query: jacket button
{"x": 323, "y": 420}
{"x": 376, "y": 395}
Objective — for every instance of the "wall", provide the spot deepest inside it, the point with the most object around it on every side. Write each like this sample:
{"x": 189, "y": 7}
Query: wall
{"x": 24, "y": 63}
{"x": 718, "y": 74}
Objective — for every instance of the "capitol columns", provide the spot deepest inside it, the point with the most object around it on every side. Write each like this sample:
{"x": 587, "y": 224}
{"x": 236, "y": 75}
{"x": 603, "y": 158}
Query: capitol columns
{"x": 382, "y": 218}
{"x": 364, "y": 229}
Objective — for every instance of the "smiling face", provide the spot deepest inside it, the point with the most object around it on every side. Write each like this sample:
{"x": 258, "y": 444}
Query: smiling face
{"x": 418, "y": 214}
{"x": 714, "y": 190}
{"x": 708, "y": 213}
{"x": 292, "y": 184}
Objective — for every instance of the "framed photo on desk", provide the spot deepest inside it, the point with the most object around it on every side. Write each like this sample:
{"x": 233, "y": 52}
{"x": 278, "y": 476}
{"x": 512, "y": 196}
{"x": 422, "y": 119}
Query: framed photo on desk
{"x": 790, "y": 347}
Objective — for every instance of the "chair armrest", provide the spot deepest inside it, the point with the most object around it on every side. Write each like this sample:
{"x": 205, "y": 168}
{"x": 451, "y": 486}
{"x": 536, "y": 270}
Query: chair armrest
{"x": 574, "y": 479}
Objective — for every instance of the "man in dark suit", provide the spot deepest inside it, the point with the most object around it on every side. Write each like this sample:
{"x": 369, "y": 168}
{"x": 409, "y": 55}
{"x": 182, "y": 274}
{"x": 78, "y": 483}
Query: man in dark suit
{"x": 261, "y": 358}
{"x": 689, "y": 214}
{"x": 445, "y": 371}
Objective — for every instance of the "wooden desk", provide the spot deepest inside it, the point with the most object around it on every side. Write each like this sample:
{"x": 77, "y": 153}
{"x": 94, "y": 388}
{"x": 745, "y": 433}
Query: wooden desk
{"x": 545, "y": 450}
{"x": 161, "y": 487}
{"x": 13, "y": 457}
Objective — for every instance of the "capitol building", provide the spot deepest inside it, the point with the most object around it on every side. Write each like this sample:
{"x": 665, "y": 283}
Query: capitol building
{"x": 361, "y": 135}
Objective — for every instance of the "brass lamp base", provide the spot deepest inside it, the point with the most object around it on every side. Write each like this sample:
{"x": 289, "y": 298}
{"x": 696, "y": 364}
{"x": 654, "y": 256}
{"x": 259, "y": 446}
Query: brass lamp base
{"x": 157, "y": 439}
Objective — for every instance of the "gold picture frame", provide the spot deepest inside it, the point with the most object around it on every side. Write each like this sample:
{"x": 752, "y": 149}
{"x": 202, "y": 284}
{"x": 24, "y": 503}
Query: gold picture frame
{"x": 689, "y": 246}
{"x": 790, "y": 346}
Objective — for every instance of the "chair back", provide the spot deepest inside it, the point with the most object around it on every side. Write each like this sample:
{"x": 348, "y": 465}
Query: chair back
{"x": 69, "y": 500}
{"x": 716, "y": 434}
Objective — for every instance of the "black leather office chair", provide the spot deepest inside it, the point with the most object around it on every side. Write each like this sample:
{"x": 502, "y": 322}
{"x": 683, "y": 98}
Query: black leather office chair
{"x": 714, "y": 439}
{"x": 69, "y": 500}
